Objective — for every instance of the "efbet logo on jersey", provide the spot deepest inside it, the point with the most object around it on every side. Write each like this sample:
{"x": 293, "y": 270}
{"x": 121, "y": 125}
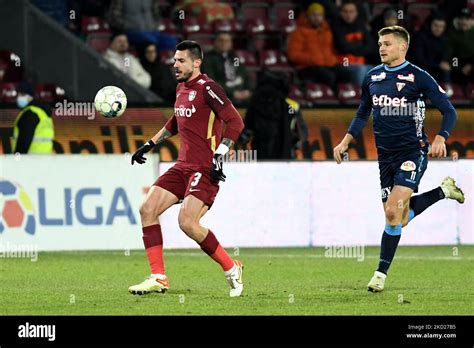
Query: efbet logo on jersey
{"x": 385, "y": 100}
{"x": 16, "y": 210}
{"x": 181, "y": 111}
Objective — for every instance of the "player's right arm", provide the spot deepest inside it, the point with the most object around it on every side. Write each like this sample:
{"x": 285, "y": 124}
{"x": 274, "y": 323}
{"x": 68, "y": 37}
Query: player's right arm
{"x": 170, "y": 129}
{"x": 358, "y": 122}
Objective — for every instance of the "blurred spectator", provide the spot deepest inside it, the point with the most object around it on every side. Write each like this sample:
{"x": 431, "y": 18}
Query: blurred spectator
{"x": 140, "y": 20}
{"x": 330, "y": 7}
{"x": 430, "y": 49}
{"x": 353, "y": 41}
{"x": 273, "y": 122}
{"x": 387, "y": 18}
{"x": 461, "y": 47}
{"x": 163, "y": 81}
{"x": 450, "y": 9}
{"x": 311, "y": 49}
{"x": 118, "y": 55}
{"x": 222, "y": 65}
{"x": 33, "y": 132}
{"x": 205, "y": 11}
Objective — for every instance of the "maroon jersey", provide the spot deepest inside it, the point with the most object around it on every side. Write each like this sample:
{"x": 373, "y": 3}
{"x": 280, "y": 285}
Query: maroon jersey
{"x": 200, "y": 108}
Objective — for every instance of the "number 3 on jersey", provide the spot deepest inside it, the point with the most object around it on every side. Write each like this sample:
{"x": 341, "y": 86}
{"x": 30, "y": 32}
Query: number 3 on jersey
{"x": 197, "y": 177}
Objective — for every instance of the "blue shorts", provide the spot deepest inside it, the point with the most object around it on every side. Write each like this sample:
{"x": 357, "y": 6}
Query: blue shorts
{"x": 402, "y": 168}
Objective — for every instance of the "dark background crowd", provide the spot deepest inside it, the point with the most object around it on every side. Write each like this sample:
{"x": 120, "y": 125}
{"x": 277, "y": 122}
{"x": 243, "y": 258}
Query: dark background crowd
{"x": 324, "y": 48}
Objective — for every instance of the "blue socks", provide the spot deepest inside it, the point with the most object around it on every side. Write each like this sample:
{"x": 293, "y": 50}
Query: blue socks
{"x": 392, "y": 233}
{"x": 419, "y": 203}
{"x": 390, "y": 238}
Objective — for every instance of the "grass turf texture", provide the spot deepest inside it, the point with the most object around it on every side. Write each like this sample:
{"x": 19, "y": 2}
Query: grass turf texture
{"x": 287, "y": 281}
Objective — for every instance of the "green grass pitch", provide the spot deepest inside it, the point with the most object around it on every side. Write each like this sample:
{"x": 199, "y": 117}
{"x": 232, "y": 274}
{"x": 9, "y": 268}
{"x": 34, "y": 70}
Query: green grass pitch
{"x": 287, "y": 281}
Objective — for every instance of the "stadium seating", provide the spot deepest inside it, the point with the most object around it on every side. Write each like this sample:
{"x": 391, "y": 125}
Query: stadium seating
{"x": 253, "y": 10}
{"x": 247, "y": 58}
{"x": 99, "y": 41}
{"x": 167, "y": 26}
{"x": 167, "y": 57}
{"x": 419, "y": 13}
{"x": 454, "y": 92}
{"x": 319, "y": 93}
{"x": 348, "y": 93}
{"x": 470, "y": 92}
{"x": 257, "y": 25}
{"x": 274, "y": 59}
{"x": 284, "y": 10}
{"x": 194, "y": 25}
{"x": 8, "y": 92}
{"x": 49, "y": 92}
{"x": 229, "y": 25}
{"x": 297, "y": 94}
{"x": 94, "y": 25}
{"x": 286, "y": 25}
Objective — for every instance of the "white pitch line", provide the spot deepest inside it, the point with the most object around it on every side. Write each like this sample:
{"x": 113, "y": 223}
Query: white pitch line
{"x": 312, "y": 256}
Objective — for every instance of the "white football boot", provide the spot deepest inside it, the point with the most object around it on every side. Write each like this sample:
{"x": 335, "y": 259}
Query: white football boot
{"x": 377, "y": 283}
{"x": 234, "y": 278}
{"x": 158, "y": 283}
{"x": 451, "y": 191}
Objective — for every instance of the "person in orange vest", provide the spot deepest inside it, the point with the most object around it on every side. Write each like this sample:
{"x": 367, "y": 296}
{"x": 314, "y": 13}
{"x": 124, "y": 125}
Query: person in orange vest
{"x": 311, "y": 49}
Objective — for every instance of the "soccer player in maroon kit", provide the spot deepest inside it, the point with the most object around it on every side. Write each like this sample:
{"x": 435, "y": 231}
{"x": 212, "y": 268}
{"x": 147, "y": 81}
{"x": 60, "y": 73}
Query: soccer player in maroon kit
{"x": 200, "y": 108}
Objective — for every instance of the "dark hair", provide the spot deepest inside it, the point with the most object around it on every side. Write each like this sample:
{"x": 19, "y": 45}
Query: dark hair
{"x": 397, "y": 31}
{"x": 117, "y": 33}
{"x": 349, "y": 2}
{"x": 193, "y": 47}
{"x": 222, "y": 32}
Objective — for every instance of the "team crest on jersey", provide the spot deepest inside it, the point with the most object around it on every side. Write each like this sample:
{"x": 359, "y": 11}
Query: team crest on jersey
{"x": 409, "y": 77}
{"x": 192, "y": 95}
{"x": 378, "y": 77}
{"x": 408, "y": 166}
{"x": 400, "y": 85}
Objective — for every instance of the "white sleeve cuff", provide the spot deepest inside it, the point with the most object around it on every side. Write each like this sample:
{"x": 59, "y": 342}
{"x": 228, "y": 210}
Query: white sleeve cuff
{"x": 222, "y": 149}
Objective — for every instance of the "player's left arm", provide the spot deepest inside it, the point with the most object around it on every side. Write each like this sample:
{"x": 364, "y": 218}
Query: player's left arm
{"x": 440, "y": 100}
{"x": 225, "y": 110}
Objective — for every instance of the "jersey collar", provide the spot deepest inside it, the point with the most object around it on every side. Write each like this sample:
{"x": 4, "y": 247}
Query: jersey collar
{"x": 191, "y": 82}
{"x": 398, "y": 67}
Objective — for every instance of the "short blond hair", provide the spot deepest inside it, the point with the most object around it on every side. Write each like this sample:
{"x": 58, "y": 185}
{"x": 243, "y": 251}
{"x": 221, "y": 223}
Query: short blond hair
{"x": 396, "y": 30}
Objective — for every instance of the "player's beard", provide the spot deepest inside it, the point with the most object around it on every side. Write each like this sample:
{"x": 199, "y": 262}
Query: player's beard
{"x": 185, "y": 77}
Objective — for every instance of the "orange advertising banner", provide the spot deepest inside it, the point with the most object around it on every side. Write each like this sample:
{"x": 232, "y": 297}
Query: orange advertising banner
{"x": 326, "y": 127}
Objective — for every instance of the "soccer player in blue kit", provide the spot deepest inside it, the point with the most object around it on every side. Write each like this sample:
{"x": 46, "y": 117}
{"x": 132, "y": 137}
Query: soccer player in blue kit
{"x": 394, "y": 92}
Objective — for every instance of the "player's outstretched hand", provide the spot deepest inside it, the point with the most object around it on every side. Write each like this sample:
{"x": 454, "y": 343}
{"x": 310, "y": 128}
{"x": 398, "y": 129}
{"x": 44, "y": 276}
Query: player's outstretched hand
{"x": 138, "y": 155}
{"x": 216, "y": 169}
{"x": 339, "y": 150}
{"x": 438, "y": 147}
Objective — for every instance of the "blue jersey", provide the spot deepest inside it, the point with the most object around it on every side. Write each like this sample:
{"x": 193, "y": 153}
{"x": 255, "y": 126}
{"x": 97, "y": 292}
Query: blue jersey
{"x": 396, "y": 98}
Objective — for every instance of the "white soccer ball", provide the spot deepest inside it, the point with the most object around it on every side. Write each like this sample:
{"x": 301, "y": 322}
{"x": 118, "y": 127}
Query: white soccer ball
{"x": 110, "y": 101}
